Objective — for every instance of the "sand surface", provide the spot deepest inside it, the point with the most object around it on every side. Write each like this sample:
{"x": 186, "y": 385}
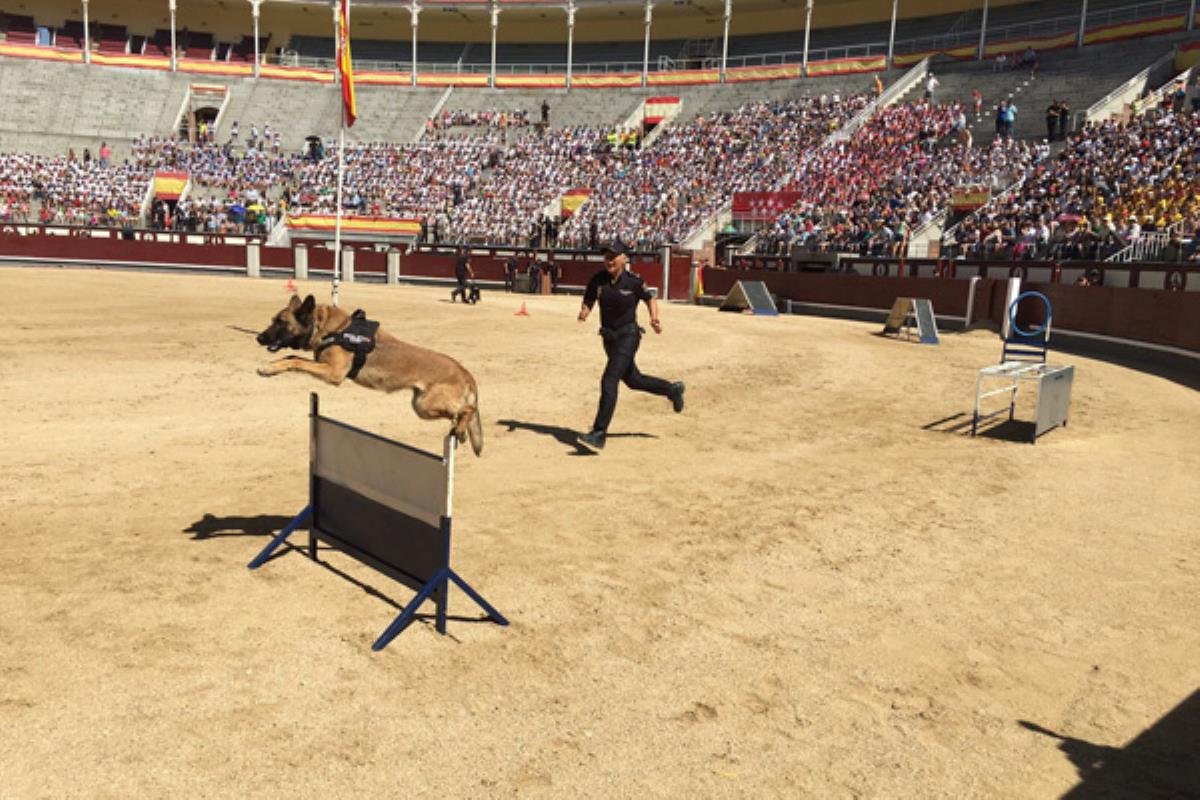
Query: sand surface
{"x": 809, "y": 584}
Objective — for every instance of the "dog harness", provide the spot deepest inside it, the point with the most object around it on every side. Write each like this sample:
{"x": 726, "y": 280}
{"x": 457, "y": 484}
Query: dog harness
{"x": 358, "y": 338}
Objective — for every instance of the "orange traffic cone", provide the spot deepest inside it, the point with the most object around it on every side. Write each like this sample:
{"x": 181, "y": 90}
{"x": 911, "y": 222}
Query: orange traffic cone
{"x": 522, "y": 312}
{"x": 291, "y": 286}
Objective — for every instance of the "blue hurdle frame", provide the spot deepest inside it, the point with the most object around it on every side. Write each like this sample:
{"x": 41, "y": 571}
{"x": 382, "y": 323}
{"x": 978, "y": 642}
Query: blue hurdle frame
{"x": 437, "y": 586}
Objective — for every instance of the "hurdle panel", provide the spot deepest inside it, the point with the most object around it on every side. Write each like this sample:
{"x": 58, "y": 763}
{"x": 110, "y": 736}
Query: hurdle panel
{"x": 387, "y": 505}
{"x": 400, "y": 527}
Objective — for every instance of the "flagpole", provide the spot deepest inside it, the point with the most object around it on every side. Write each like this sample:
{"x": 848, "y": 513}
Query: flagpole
{"x": 342, "y": 38}
{"x": 337, "y": 226}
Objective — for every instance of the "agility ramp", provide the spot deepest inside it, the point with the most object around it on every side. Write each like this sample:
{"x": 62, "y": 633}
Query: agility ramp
{"x": 752, "y": 296}
{"x": 910, "y": 312}
{"x": 387, "y": 505}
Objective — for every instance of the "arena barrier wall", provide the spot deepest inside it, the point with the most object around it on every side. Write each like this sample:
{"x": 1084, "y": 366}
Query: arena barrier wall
{"x": 1155, "y": 316}
{"x": 215, "y": 252}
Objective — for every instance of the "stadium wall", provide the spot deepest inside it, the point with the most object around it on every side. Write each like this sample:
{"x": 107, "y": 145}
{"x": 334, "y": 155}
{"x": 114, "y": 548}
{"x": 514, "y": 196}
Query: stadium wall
{"x": 1155, "y": 316}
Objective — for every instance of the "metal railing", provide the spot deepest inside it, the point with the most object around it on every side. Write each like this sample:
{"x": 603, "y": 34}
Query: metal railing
{"x": 1147, "y": 247}
{"x": 956, "y": 38}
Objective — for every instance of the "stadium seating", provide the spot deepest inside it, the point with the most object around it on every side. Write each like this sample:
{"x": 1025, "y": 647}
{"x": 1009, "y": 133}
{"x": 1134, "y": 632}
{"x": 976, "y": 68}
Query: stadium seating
{"x": 69, "y": 36}
{"x": 243, "y": 51}
{"x": 159, "y": 44}
{"x": 112, "y": 39}
{"x": 21, "y": 30}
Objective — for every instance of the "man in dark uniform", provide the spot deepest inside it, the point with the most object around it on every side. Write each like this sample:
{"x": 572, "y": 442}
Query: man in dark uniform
{"x": 510, "y": 273}
{"x": 462, "y": 273}
{"x": 552, "y": 272}
{"x": 619, "y": 292}
{"x": 535, "y": 274}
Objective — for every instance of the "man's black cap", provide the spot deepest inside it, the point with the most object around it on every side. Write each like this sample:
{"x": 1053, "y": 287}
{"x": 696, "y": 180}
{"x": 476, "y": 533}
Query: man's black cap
{"x": 615, "y": 248}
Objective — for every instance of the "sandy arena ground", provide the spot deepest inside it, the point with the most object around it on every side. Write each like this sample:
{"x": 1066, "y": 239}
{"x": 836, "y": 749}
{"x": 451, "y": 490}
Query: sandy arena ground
{"x": 793, "y": 589}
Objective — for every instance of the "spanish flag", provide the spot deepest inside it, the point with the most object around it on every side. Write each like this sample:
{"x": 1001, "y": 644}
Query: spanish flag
{"x": 345, "y": 67}
{"x": 169, "y": 185}
{"x": 572, "y": 199}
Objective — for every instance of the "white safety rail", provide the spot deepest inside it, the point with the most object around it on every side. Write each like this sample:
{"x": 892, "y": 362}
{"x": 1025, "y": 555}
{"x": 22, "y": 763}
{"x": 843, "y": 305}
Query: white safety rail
{"x": 1147, "y": 247}
{"x": 1115, "y": 101}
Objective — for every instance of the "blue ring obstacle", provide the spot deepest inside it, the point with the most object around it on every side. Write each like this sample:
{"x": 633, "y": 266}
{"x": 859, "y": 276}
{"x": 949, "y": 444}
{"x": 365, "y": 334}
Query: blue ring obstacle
{"x": 1022, "y": 345}
{"x": 1012, "y": 315}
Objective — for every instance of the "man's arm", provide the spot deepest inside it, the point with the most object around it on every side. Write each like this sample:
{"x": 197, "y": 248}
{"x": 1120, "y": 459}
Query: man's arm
{"x": 589, "y": 300}
{"x": 655, "y": 323}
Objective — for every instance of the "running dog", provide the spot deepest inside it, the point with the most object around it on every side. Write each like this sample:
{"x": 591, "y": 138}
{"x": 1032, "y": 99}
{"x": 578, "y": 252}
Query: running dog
{"x": 349, "y": 346}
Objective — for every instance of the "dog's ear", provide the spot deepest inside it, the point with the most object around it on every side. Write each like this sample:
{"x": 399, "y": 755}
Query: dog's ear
{"x": 294, "y": 302}
{"x": 307, "y": 306}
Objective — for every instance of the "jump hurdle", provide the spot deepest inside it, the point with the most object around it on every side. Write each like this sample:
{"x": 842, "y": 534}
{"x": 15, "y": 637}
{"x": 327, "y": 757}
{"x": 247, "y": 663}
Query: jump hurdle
{"x": 387, "y": 505}
{"x": 1023, "y": 361}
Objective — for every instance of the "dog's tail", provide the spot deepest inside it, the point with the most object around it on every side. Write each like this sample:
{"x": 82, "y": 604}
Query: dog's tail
{"x": 474, "y": 426}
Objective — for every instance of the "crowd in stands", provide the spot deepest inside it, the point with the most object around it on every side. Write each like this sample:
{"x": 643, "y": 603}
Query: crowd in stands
{"x": 1112, "y": 184}
{"x": 65, "y": 190}
{"x": 648, "y": 197}
{"x": 866, "y": 195}
{"x": 479, "y": 119}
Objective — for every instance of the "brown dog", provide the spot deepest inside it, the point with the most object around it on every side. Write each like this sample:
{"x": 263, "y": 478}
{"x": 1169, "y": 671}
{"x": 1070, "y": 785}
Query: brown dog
{"x": 442, "y": 388}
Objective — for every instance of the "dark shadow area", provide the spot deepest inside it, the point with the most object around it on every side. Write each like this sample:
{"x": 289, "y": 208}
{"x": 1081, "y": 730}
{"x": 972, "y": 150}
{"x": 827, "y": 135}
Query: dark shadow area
{"x": 211, "y": 526}
{"x": 565, "y": 435}
{"x": 1006, "y": 430}
{"x": 1162, "y": 762}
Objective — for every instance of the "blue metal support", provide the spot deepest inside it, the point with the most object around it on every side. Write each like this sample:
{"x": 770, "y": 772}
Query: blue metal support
{"x": 281, "y": 537}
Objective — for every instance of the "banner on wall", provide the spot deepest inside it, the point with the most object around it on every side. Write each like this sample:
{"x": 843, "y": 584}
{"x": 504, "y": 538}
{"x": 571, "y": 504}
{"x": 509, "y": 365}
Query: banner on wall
{"x": 656, "y": 109}
{"x": 969, "y": 198}
{"x": 762, "y": 205}
{"x": 381, "y": 225}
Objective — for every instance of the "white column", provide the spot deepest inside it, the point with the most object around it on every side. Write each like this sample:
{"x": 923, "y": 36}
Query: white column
{"x": 570, "y": 40}
{"x": 87, "y": 39}
{"x": 646, "y": 49}
{"x": 415, "y": 13}
{"x": 892, "y": 33}
{"x": 171, "y": 6}
{"x": 495, "y": 26}
{"x": 983, "y": 31}
{"x": 807, "y": 23}
{"x": 1082, "y": 24}
{"x": 725, "y": 44}
{"x": 337, "y": 46}
{"x": 254, "y": 4}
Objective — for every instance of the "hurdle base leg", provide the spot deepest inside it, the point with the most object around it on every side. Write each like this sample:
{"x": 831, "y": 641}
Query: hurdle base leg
{"x": 442, "y": 578}
{"x": 280, "y": 538}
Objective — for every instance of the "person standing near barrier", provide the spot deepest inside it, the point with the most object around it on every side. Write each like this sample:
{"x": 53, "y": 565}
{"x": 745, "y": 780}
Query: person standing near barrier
{"x": 463, "y": 274}
{"x": 619, "y": 292}
{"x": 510, "y": 273}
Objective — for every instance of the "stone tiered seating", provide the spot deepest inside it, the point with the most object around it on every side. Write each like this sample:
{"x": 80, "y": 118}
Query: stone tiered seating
{"x": 1080, "y": 77}
{"x": 51, "y": 106}
{"x": 69, "y": 36}
{"x": 113, "y": 39}
{"x": 21, "y": 30}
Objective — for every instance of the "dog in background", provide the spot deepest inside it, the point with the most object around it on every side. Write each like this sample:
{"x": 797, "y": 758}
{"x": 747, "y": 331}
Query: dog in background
{"x": 442, "y": 388}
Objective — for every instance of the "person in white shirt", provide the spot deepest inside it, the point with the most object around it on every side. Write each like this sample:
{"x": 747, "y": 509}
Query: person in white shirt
{"x": 931, "y": 85}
